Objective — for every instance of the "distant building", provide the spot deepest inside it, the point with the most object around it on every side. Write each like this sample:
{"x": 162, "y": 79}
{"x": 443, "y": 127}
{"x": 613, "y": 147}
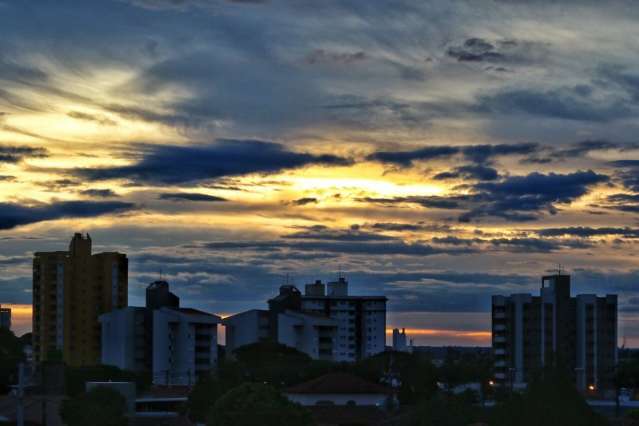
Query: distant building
{"x": 71, "y": 289}
{"x": 175, "y": 344}
{"x": 530, "y": 332}
{"x": 5, "y": 318}
{"x": 400, "y": 343}
{"x": 325, "y": 322}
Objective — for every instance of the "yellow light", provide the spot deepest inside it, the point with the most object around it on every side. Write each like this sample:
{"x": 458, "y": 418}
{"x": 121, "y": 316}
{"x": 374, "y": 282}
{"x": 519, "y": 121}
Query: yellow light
{"x": 491, "y": 383}
{"x": 591, "y": 387}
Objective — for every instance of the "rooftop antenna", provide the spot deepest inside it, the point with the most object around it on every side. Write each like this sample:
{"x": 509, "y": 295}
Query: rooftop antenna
{"x": 339, "y": 272}
{"x": 559, "y": 268}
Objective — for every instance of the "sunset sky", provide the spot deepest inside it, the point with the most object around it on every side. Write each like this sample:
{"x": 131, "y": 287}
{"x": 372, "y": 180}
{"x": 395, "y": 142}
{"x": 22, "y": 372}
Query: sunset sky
{"x": 435, "y": 152}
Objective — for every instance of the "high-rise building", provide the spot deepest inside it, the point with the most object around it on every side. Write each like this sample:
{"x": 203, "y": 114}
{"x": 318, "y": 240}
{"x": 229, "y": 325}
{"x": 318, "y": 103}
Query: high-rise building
{"x": 578, "y": 333}
{"x": 401, "y": 343}
{"x": 176, "y": 345}
{"x": 5, "y": 318}
{"x": 361, "y": 320}
{"x": 325, "y": 322}
{"x": 71, "y": 289}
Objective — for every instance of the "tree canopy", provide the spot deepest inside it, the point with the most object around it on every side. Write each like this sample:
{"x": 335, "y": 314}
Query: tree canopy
{"x": 100, "y": 406}
{"x": 257, "y": 404}
{"x": 11, "y": 353}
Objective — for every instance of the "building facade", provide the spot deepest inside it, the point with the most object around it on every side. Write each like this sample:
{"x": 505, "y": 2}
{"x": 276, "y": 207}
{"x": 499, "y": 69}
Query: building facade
{"x": 71, "y": 289}
{"x": 176, "y": 345}
{"x": 325, "y": 322}
{"x": 361, "y": 320}
{"x": 401, "y": 343}
{"x": 578, "y": 333}
{"x": 5, "y": 318}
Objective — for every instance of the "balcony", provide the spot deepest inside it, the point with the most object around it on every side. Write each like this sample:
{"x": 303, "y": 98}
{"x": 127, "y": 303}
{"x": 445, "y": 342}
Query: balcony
{"x": 499, "y": 315}
{"x": 500, "y": 352}
{"x": 499, "y": 339}
{"x": 499, "y": 327}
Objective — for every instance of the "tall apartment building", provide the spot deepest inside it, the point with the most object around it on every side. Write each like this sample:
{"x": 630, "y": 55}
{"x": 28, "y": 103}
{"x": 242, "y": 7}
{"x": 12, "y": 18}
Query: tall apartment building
{"x": 325, "y": 322}
{"x": 579, "y": 333}
{"x": 361, "y": 329}
{"x": 176, "y": 345}
{"x": 5, "y": 318}
{"x": 71, "y": 289}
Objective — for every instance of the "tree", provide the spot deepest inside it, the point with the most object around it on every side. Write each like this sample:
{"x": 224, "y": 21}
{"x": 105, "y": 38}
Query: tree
{"x": 100, "y": 406}
{"x": 443, "y": 410}
{"x": 257, "y": 404}
{"x": 205, "y": 393}
{"x": 550, "y": 400}
{"x": 275, "y": 364}
{"x": 11, "y": 354}
{"x": 76, "y": 377}
{"x": 416, "y": 373}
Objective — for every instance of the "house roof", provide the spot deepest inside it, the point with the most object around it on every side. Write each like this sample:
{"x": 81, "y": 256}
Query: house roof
{"x": 339, "y": 383}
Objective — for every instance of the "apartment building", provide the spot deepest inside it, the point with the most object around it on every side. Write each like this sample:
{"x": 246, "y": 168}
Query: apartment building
{"x": 71, "y": 289}
{"x": 176, "y": 345}
{"x": 579, "y": 333}
{"x": 325, "y": 322}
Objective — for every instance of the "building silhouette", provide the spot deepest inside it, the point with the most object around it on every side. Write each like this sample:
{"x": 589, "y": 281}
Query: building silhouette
{"x": 176, "y": 345}
{"x": 325, "y": 322}
{"x": 71, "y": 289}
{"x": 578, "y": 334}
{"x": 5, "y": 318}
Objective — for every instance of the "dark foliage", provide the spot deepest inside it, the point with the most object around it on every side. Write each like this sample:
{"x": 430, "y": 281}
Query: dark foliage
{"x": 257, "y": 404}
{"x": 99, "y": 407}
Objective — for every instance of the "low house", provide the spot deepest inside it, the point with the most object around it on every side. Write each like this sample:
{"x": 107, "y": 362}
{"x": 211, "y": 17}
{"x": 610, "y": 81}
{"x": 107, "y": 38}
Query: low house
{"x": 338, "y": 389}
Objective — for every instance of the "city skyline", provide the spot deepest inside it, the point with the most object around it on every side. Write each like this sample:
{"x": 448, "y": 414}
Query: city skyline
{"x": 435, "y": 153}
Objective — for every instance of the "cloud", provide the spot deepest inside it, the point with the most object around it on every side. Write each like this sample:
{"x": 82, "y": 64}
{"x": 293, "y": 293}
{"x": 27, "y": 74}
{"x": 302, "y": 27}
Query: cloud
{"x": 189, "y": 196}
{"x": 567, "y": 103}
{"x": 99, "y": 193}
{"x": 100, "y": 119}
{"x": 629, "y": 173}
{"x": 321, "y": 56}
{"x": 510, "y": 51}
{"x": 179, "y": 164}
{"x": 304, "y": 201}
{"x": 474, "y": 153}
{"x": 12, "y": 215}
{"x": 477, "y": 172}
{"x": 586, "y": 231}
{"x": 17, "y": 153}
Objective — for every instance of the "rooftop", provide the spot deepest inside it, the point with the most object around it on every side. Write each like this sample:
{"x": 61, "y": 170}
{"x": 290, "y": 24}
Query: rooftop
{"x": 339, "y": 383}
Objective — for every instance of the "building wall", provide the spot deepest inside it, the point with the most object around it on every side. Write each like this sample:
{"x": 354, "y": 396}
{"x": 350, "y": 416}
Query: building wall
{"x": 246, "y": 328}
{"x": 70, "y": 291}
{"x": 119, "y": 338}
{"x": 184, "y": 346}
{"x": 579, "y": 333}
{"x": 312, "y": 335}
{"x": 338, "y": 399}
{"x": 361, "y": 329}
{"x": 5, "y": 318}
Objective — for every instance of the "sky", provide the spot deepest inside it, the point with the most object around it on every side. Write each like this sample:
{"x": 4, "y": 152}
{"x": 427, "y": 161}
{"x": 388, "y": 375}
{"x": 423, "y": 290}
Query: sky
{"x": 435, "y": 152}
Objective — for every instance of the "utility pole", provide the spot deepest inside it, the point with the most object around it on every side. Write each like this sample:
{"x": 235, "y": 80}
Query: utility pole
{"x": 20, "y": 396}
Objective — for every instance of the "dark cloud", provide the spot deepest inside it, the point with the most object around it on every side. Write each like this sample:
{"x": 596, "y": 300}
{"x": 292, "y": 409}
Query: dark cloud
{"x": 586, "y": 231}
{"x": 500, "y": 52}
{"x": 321, "y": 56}
{"x": 474, "y": 153}
{"x": 514, "y": 198}
{"x": 189, "y": 196}
{"x": 628, "y": 173}
{"x": 100, "y": 119}
{"x": 17, "y": 153}
{"x": 567, "y": 103}
{"x": 321, "y": 232}
{"x": 521, "y": 198}
{"x": 405, "y": 158}
{"x": 304, "y": 201}
{"x": 623, "y": 202}
{"x": 476, "y": 172}
{"x": 178, "y": 164}
{"x": 99, "y": 193}
{"x": 515, "y": 245}
{"x": 12, "y": 215}
{"x": 394, "y": 226}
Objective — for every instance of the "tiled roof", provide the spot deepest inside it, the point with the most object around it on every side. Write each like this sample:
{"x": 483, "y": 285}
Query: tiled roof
{"x": 339, "y": 383}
